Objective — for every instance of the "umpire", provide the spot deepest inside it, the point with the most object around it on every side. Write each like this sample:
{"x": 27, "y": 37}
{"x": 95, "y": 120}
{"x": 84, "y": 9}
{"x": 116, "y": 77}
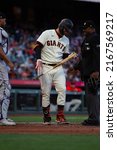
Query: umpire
{"x": 89, "y": 67}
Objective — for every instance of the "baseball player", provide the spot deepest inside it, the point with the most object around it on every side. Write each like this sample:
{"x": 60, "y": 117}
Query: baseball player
{"x": 52, "y": 46}
{"x": 5, "y": 64}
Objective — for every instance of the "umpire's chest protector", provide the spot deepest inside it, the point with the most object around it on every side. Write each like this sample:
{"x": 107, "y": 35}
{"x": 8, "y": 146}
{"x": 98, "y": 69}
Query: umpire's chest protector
{"x": 87, "y": 50}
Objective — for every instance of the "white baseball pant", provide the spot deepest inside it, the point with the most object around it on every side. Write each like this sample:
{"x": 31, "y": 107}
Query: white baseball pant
{"x": 57, "y": 78}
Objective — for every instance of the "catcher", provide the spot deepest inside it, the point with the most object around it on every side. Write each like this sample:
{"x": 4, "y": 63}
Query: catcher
{"x": 51, "y": 47}
{"x": 5, "y": 66}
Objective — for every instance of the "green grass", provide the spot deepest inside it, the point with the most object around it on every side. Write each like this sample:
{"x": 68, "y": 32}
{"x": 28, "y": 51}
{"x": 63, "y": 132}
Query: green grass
{"x": 39, "y": 118}
{"x": 48, "y": 142}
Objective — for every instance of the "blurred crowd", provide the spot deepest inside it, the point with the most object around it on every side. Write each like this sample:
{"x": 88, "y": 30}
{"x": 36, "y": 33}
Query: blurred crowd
{"x": 23, "y": 56}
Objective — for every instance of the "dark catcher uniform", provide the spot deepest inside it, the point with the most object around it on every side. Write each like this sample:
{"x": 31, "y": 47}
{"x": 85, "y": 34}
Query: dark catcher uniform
{"x": 89, "y": 64}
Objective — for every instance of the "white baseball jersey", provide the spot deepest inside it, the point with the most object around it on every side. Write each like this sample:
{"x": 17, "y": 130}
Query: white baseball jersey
{"x": 4, "y": 45}
{"x": 54, "y": 47}
{"x": 4, "y": 40}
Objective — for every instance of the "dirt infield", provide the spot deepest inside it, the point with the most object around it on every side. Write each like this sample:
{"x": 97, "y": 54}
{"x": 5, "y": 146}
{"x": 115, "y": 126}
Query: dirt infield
{"x": 38, "y": 128}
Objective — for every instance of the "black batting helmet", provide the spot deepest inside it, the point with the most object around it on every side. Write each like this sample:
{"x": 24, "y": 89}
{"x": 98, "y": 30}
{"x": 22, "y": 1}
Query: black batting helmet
{"x": 2, "y": 15}
{"x": 65, "y": 25}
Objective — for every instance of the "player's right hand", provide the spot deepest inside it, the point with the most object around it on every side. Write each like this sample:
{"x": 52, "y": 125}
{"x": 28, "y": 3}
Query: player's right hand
{"x": 38, "y": 64}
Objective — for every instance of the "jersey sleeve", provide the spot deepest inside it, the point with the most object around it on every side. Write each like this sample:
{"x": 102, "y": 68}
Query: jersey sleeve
{"x": 43, "y": 37}
{"x": 0, "y": 36}
{"x": 66, "y": 49}
{"x": 3, "y": 33}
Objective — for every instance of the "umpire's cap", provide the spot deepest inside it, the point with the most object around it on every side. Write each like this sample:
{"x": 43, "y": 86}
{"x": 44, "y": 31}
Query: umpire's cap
{"x": 2, "y": 15}
{"x": 88, "y": 23}
{"x": 66, "y": 24}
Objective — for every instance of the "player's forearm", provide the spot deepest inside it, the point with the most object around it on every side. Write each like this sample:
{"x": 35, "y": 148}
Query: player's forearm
{"x": 4, "y": 57}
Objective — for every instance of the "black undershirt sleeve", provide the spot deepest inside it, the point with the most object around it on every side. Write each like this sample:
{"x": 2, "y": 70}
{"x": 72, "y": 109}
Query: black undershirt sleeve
{"x": 37, "y": 50}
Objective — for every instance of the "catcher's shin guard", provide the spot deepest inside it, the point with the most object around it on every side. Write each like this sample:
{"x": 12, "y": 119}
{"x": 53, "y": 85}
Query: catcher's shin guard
{"x": 4, "y": 99}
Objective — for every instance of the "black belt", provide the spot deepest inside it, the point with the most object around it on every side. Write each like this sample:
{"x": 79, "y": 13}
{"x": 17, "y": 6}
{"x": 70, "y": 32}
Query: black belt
{"x": 49, "y": 64}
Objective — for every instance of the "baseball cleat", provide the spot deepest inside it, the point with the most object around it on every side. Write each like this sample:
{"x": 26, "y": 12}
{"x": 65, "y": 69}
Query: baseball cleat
{"x": 7, "y": 123}
{"x": 10, "y": 120}
{"x": 60, "y": 119}
{"x": 47, "y": 120}
{"x": 47, "y": 123}
{"x": 90, "y": 123}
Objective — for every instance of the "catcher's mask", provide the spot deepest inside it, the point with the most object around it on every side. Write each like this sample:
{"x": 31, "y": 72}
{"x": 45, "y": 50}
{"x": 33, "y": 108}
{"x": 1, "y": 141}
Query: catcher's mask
{"x": 65, "y": 27}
